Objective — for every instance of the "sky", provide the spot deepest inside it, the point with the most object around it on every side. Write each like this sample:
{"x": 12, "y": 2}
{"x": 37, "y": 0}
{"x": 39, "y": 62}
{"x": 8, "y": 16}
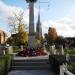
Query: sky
{"x": 54, "y": 13}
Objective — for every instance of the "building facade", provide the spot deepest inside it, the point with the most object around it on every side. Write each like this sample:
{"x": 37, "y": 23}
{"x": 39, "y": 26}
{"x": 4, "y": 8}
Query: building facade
{"x": 3, "y": 37}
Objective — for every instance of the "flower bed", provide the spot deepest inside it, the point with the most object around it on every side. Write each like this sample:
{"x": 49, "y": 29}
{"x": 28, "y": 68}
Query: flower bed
{"x": 32, "y": 52}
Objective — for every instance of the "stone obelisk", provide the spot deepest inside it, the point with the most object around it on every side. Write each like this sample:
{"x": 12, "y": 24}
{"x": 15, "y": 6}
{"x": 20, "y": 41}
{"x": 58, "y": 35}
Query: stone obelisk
{"x": 31, "y": 40}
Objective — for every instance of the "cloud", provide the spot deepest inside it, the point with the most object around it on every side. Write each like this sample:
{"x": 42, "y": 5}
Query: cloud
{"x": 8, "y": 11}
{"x": 65, "y": 26}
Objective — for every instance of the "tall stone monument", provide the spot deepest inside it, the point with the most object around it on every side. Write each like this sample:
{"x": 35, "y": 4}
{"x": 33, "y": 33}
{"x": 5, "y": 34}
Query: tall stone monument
{"x": 31, "y": 41}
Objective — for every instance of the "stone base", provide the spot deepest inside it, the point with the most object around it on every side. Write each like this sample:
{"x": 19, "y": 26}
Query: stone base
{"x": 31, "y": 41}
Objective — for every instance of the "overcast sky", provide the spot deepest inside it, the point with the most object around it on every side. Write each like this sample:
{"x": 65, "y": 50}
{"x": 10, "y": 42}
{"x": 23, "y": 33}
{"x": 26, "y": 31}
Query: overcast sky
{"x": 54, "y": 13}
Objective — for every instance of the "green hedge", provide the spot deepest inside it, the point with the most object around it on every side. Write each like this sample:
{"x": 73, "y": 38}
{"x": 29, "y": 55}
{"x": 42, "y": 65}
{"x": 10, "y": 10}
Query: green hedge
{"x": 5, "y": 64}
{"x": 55, "y": 62}
{"x": 2, "y": 66}
{"x": 8, "y": 59}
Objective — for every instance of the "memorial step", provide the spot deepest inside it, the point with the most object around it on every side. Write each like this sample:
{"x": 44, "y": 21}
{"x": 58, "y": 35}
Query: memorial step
{"x": 31, "y": 67}
{"x": 31, "y": 64}
{"x": 30, "y": 60}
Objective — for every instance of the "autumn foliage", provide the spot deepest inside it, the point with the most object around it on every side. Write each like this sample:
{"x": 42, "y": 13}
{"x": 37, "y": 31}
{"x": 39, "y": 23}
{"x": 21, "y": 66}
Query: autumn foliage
{"x": 52, "y": 34}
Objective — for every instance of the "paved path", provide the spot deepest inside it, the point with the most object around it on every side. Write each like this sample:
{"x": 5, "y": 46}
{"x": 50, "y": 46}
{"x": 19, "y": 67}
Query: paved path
{"x": 31, "y": 72}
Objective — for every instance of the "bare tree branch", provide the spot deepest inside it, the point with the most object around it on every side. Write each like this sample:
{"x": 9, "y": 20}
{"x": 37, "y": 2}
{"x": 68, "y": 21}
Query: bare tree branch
{"x": 15, "y": 21}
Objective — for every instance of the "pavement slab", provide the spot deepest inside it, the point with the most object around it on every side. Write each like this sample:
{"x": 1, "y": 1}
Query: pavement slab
{"x": 31, "y": 72}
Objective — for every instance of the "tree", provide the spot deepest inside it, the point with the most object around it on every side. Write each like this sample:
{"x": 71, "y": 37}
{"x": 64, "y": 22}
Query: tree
{"x": 18, "y": 39}
{"x": 15, "y": 21}
{"x": 37, "y": 39}
{"x": 60, "y": 40}
{"x": 24, "y": 38}
{"x": 52, "y": 34}
{"x": 17, "y": 27}
{"x": 46, "y": 36}
{"x": 10, "y": 41}
{"x": 21, "y": 28}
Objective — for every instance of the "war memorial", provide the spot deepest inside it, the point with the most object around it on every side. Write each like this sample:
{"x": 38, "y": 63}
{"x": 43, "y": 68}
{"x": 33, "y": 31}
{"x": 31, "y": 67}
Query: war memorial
{"x": 34, "y": 59}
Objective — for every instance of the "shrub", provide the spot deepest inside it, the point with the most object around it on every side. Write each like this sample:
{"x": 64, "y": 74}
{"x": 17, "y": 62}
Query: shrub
{"x": 2, "y": 66}
{"x": 72, "y": 67}
{"x": 8, "y": 59}
{"x": 55, "y": 62}
{"x": 5, "y": 64}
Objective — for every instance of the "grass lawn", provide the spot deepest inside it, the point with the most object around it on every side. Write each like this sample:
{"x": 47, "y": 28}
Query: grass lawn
{"x": 69, "y": 51}
{"x": 16, "y": 50}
